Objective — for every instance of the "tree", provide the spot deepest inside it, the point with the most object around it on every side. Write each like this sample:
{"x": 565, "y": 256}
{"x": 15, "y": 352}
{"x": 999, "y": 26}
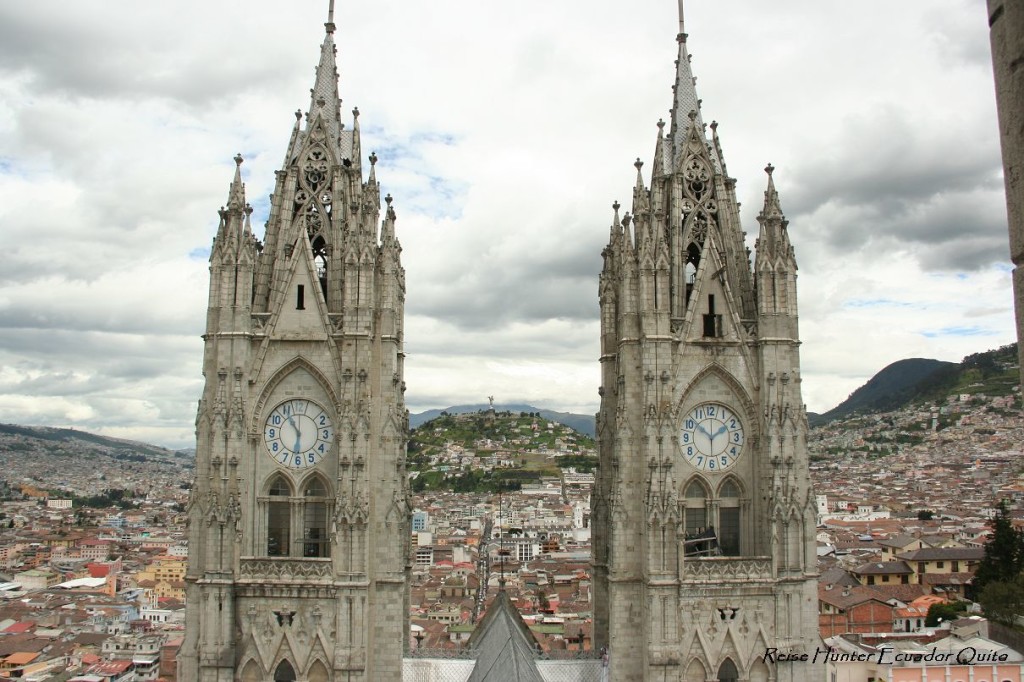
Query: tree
{"x": 1004, "y": 552}
{"x": 944, "y": 613}
{"x": 925, "y": 515}
{"x": 1002, "y": 601}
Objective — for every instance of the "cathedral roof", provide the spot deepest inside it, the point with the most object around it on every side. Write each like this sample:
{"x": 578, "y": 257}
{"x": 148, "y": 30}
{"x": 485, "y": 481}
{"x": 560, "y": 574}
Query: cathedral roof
{"x": 505, "y": 647}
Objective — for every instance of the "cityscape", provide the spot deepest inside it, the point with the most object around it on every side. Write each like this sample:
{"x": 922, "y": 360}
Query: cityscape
{"x": 93, "y": 582}
{"x": 703, "y": 525}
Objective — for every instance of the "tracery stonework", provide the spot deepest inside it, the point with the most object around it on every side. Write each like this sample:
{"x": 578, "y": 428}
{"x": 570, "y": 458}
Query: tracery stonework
{"x": 703, "y": 513}
{"x": 302, "y": 424}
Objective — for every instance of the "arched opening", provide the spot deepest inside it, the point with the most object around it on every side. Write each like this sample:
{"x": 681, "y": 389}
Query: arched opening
{"x": 320, "y": 261}
{"x": 279, "y": 517}
{"x": 727, "y": 671}
{"x": 729, "y": 518}
{"x": 284, "y": 673}
{"x": 315, "y": 541}
{"x": 699, "y": 538}
{"x": 690, "y": 268}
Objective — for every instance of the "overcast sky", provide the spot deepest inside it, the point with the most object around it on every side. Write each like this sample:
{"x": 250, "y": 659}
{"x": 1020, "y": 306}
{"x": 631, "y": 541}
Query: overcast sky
{"x": 505, "y": 131}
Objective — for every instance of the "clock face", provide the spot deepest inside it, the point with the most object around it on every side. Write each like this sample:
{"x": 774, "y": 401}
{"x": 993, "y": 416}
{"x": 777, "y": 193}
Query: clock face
{"x": 298, "y": 433}
{"x": 711, "y": 437}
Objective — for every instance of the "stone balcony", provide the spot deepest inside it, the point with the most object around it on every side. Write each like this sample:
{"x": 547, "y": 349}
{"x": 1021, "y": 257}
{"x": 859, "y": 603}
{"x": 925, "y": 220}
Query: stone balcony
{"x": 285, "y": 569}
{"x": 724, "y": 570}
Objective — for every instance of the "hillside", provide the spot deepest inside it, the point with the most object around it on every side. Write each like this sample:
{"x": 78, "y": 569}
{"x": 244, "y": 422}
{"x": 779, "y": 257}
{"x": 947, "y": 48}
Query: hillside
{"x": 487, "y": 451}
{"x": 583, "y": 423}
{"x": 37, "y": 460}
{"x": 919, "y": 380}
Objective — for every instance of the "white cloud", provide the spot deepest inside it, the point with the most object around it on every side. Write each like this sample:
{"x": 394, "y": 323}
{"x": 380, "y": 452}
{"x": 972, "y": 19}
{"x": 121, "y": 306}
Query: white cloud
{"x": 505, "y": 132}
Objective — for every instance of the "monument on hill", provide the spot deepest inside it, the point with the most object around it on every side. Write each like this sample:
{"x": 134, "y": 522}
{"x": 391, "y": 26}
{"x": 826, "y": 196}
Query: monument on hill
{"x": 298, "y": 520}
{"x": 703, "y": 516}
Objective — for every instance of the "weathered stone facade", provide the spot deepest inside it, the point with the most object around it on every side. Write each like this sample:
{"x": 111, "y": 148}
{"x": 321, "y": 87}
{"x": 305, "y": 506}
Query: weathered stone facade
{"x": 703, "y": 513}
{"x": 299, "y": 518}
{"x": 1006, "y": 26}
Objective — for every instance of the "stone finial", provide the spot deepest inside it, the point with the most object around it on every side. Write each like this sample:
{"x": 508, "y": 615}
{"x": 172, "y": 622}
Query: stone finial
{"x": 373, "y": 158}
{"x": 638, "y": 164}
{"x": 238, "y": 159}
{"x": 661, "y": 124}
{"x": 355, "y": 112}
{"x": 616, "y": 206}
{"x": 388, "y": 199}
{"x": 298, "y": 114}
{"x": 769, "y": 169}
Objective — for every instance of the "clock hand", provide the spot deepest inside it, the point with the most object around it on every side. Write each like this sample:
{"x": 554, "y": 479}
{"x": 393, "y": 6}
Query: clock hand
{"x": 721, "y": 430}
{"x": 298, "y": 434}
{"x": 703, "y": 430}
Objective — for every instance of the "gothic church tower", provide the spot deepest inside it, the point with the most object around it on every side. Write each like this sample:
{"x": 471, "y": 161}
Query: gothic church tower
{"x": 703, "y": 514}
{"x": 298, "y": 520}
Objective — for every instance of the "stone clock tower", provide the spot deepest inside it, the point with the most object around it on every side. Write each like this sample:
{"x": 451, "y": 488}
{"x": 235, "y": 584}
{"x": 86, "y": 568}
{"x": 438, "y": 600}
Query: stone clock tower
{"x": 703, "y": 514}
{"x": 298, "y": 520}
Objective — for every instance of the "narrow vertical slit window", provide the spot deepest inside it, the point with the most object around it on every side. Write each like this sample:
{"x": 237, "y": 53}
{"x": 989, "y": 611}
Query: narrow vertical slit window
{"x": 300, "y": 297}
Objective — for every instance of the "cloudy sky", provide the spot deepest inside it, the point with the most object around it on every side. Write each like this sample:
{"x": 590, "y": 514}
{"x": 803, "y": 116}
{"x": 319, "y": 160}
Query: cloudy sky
{"x": 505, "y": 132}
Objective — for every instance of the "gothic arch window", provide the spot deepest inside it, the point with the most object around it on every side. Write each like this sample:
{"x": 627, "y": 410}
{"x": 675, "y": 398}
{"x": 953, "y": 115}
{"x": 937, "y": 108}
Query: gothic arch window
{"x": 315, "y": 496}
{"x": 284, "y": 672}
{"x": 279, "y": 517}
{"x": 729, "y": 517}
{"x": 690, "y": 269}
{"x": 320, "y": 261}
{"x": 727, "y": 671}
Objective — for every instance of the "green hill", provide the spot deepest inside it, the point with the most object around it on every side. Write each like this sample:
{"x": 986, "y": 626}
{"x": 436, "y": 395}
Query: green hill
{"x": 487, "y": 451}
{"x": 918, "y": 380}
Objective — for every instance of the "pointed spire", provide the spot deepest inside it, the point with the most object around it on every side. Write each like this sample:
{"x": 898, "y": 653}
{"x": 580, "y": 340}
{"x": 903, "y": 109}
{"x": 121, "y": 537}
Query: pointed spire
{"x": 236, "y": 195}
{"x": 685, "y": 110}
{"x": 685, "y": 89}
{"x": 661, "y": 164}
{"x": 387, "y": 230}
{"x": 641, "y": 199}
{"x": 324, "y": 97}
{"x": 772, "y": 209}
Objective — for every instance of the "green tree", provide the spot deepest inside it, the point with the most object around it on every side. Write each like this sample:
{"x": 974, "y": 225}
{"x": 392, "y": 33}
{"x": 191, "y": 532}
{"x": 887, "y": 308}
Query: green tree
{"x": 1002, "y": 601}
{"x": 1003, "y": 553}
{"x": 944, "y": 613}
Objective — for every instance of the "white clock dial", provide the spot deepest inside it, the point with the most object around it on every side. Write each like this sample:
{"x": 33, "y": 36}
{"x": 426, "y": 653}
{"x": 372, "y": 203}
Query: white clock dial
{"x": 298, "y": 433}
{"x": 712, "y": 437}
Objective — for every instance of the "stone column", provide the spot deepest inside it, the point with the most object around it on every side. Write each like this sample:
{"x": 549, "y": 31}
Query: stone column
{"x": 1006, "y": 30}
